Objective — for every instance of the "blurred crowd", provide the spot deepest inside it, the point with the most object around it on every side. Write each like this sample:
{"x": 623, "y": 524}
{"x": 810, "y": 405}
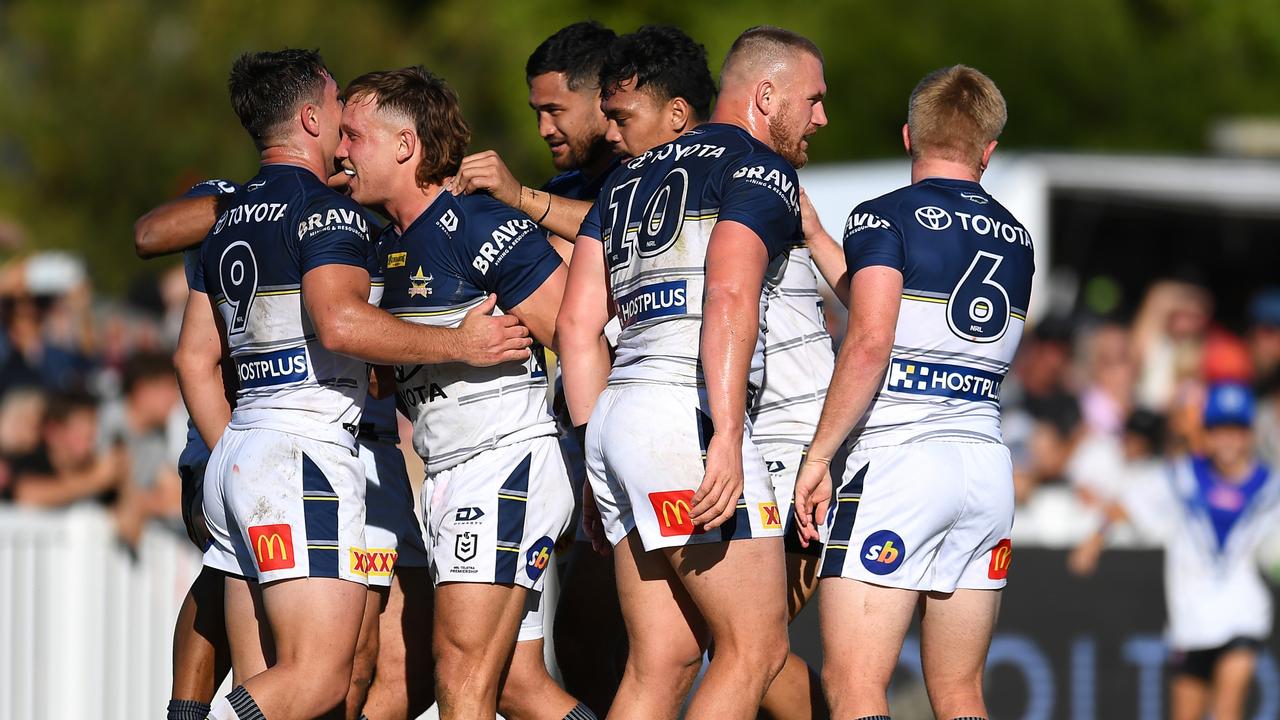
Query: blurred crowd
{"x": 89, "y": 405}
{"x": 90, "y": 409}
{"x": 1091, "y": 402}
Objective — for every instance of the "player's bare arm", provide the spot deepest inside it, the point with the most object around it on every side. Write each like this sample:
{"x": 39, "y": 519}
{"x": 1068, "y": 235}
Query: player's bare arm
{"x": 875, "y": 293}
{"x": 337, "y": 299}
{"x": 538, "y": 311}
{"x": 174, "y": 226}
{"x": 198, "y": 362}
{"x": 584, "y": 353}
{"x": 826, "y": 252}
{"x": 736, "y": 261}
{"x": 486, "y": 172}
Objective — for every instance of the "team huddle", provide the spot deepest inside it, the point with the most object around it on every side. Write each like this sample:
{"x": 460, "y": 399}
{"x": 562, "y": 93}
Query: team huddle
{"x": 628, "y": 366}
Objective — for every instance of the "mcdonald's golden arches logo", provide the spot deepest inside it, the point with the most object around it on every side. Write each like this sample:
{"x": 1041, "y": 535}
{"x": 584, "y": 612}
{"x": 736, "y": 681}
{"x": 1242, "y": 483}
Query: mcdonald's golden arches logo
{"x": 272, "y": 546}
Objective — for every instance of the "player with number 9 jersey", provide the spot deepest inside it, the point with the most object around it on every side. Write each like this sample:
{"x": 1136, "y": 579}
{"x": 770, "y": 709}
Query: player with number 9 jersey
{"x": 285, "y": 493}
{"x": 654, "y": 217}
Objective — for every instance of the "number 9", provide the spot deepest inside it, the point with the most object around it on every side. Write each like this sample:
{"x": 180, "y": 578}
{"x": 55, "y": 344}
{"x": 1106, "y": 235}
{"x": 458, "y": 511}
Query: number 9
{"x": 238, "y": 274}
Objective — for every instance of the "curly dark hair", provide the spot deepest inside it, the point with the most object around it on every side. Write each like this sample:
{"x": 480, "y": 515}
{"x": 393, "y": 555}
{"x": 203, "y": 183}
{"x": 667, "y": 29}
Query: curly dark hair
{"x": 431, "y": 104}
{"x": 664, "y": 59}
{"x": 267, "y": 87}
{"x": 576, "y": 50}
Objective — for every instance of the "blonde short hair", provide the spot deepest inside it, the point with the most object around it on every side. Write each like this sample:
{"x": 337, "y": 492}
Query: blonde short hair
{"x": 954, "y": 114}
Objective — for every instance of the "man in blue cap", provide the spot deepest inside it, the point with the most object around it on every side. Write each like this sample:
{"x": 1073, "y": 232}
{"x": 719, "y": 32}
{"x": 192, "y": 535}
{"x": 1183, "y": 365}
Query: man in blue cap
{"x": 1211, "y": 510}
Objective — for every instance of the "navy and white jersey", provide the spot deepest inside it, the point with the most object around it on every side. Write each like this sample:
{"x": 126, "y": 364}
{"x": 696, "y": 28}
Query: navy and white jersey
{"x": 1211, "y": 529}
{"x": 283, "y": 224}
{"x": 576, "y": 185}
{"x": 966, "y": 267}
{"x": 798, "y": 359}
{"x": 655, "y": 214}
{"x": 457, "y": 252}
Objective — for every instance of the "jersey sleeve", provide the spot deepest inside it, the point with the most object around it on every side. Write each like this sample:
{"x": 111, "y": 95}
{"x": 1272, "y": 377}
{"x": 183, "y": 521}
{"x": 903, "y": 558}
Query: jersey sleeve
{"x": 592, "y": 225}
{"x": 761, "y": 192}
{"x": 332, "y": 230}
{"x": 872, "y": 239}
{"x": 191, "y": 256}
{"x": 510, "y": 255}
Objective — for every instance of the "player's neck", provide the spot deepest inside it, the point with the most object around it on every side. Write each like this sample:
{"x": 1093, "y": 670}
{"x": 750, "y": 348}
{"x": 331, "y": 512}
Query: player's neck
{"x": 925, "y": 168}
{"x": 408, "y": 205}
{"x": 748, "y": 119}
{"x": 299, "y": 157}
{"x": 597, "y": 165}
{"x": 1235, "y": 471}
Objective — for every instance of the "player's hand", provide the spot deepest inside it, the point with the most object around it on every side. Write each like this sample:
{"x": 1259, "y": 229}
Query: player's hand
{"x": 486, "y": 172}
{"x": 492, "y": 339}
{"x": 813, "y": 498}
{"x": 592, "y": 523}
{"x": 717, "y": 496}
{"x": 810, "y": 225}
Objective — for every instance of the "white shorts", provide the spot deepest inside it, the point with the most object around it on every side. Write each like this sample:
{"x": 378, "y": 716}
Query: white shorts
{"x": 929, "y": 516}
{"x": 495, "y": 518}
{"x": 783, "y": 462}
{"x": 392, "y": 533}
{"x": 646, "y": 449}
{"x": 282, "y": 506}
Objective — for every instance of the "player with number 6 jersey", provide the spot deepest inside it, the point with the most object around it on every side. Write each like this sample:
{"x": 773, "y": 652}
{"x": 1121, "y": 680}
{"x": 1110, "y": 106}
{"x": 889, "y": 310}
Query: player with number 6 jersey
{"x": 940, "y": 281}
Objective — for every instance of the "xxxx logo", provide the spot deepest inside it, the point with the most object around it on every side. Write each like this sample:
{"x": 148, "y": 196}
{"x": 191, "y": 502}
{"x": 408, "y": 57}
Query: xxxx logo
{"x": 375, "y": 562}
{"x": 770, "y": 517}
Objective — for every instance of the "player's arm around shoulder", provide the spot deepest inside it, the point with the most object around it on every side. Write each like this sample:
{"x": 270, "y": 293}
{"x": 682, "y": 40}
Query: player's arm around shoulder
{"x": 335, "y": 291}
{"x": 182, "y": 222}
{"x": 486, "y": 172}
{"x": 527, "y": 276}
{"x": 827, "y": 254}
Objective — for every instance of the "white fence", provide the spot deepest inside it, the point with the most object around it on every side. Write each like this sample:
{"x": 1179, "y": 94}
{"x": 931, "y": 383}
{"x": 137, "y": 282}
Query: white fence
{"x": 85, "y": 626}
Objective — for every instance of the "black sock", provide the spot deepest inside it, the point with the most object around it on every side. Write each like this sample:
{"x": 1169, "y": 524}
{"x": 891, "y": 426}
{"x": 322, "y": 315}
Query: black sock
{"x": 580, "y": 712}
{"x": 187, "y": 710}
{"x": 876, "y": 717}
{"x": 969, "y": 717}
{"x": 242, "y": 702}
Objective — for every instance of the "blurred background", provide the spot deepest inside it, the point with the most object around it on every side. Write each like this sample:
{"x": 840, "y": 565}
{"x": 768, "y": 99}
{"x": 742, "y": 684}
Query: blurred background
{"x": 1142, "y": 152}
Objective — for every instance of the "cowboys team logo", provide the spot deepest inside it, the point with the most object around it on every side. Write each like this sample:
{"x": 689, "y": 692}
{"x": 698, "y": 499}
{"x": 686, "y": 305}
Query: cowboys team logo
{"x": 419, "y": 284}
{"x": 933, "y": 218}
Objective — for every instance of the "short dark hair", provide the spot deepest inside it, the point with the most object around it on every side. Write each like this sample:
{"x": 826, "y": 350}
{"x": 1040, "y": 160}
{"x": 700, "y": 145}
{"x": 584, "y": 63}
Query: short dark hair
{"x": 665, "y": 59}
{"x": 267, "y": 87}
{"x": 427, "y": 101}
{"x": 63, "y": 405}
{"x": 577, "y": 50}
{"x": 145, "y": 366}
{"x": 762, "y": 42}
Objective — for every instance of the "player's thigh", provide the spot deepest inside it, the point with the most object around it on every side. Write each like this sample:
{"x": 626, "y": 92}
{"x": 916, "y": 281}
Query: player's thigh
{"x": 739, "y": 587}
{"x": 405, "y": 622}
{"x": 248, "y": 633}
{"x": 664, "y": 625}
{"x": 315, "y": 621}
{"x": 477, "y": 620}
{"x": 1188, "y": 697}
{"x": 955, "y": 634}
{"x": 863, "y": 626}
{"x": 802, "y": 581}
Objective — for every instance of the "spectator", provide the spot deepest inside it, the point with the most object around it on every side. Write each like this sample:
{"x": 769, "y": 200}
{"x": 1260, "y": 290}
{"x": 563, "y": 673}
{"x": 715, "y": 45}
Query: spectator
{"x": 66, "y": 467}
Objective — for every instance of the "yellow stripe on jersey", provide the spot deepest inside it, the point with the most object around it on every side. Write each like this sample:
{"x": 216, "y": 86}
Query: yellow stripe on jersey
{"x": 921, "y": 298}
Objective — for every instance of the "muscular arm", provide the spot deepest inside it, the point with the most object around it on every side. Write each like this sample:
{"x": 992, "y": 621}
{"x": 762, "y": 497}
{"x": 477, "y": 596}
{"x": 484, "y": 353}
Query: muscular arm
{"x": 198, "y": 362}
{"x": 337, "y": 299}
{"x": 538, "y": 311}
{"x": 174, "y": 226}
{"x": 486, "y": 172}
{"x": 583, "y": 351}
{"x": 876, "y": 294}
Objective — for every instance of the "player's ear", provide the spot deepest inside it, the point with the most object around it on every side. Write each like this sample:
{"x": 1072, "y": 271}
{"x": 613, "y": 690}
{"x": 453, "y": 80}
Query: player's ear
{"x": 765, "y": 96}
{"x": 678, "y": 114}
{"x": 986, "y": 155}
{"x": 406, "y": 144}
{"x": 906, "y": 137}
{"x": 310, "y": 118}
